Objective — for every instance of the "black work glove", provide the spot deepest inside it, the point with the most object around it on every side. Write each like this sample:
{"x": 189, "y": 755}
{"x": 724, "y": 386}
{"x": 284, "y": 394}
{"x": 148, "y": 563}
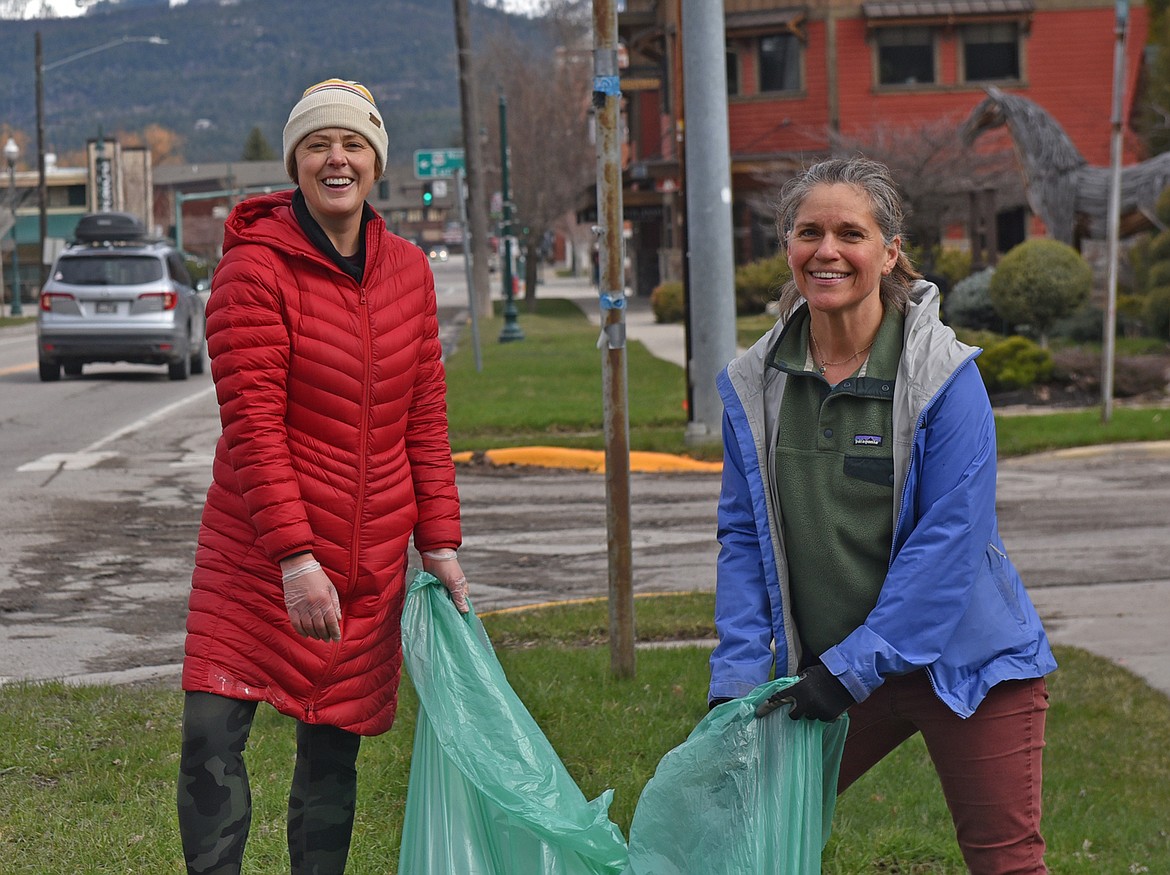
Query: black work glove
{"x": 817, "y": 695}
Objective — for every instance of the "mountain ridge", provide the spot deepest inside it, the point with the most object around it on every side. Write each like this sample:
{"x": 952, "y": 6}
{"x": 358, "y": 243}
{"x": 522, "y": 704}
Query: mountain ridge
{"x": 229, "y": 68}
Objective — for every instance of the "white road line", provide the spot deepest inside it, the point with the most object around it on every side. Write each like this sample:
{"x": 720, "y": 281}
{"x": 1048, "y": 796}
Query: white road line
{"x": 92, "y": 455}
{"x": 146, "y": 420}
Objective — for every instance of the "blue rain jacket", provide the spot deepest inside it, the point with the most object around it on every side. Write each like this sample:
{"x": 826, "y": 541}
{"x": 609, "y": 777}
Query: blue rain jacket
{"x": 952, "y": 601}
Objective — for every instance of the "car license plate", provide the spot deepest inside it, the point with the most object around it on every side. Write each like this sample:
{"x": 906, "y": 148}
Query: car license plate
{"x": 106, "y": 307}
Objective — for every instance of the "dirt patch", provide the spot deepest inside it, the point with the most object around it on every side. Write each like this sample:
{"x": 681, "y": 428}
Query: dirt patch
{"x": 1076, "y": 382}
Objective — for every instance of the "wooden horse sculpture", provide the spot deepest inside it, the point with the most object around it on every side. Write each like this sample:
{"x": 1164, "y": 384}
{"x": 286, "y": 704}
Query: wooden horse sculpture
{"x": 1063, "y": 189}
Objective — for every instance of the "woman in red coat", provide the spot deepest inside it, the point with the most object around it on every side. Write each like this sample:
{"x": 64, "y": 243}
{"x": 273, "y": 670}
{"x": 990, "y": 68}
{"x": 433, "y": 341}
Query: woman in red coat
{"x": 323, "y": 337}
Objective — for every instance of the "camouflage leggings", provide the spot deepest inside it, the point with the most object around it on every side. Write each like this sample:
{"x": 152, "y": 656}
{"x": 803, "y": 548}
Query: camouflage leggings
{"x": 215, "y": 803}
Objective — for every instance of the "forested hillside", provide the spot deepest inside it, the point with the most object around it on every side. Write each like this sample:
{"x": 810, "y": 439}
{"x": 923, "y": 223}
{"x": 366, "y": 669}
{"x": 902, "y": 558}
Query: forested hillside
{"x": 229, "y": 68}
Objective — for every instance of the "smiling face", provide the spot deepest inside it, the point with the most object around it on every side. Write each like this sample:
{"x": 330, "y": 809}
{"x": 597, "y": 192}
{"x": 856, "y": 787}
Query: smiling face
{"x": 836, "y": 250}
{"x": 336, "y": 169}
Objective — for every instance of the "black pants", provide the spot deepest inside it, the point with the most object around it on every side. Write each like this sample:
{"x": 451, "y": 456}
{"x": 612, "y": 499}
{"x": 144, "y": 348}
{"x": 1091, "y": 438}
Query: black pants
{"x": 215, "y": 802}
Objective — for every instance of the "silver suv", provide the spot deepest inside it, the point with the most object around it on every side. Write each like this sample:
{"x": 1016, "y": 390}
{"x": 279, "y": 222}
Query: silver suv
{"x": 117, "y": 295}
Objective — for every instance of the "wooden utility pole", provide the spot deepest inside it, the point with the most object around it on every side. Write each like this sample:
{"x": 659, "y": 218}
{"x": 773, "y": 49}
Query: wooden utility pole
{"x": 477, "y": 207}
{"x": 607, "y": 97}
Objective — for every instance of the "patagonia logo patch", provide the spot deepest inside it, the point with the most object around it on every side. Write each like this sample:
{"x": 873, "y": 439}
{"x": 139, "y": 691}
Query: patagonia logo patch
{"x": 867, "y": 440}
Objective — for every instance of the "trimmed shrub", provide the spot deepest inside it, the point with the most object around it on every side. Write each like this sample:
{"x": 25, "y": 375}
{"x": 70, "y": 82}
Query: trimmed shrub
{"x": 667, "y": 302}
{"x": 1162, "y": 206}
{"x": 968, "y": 304}
{"x": 1084, "y": 326}
{"x": 1158, "y": 249}
{"x": 1130, "y": 315}
{"x": 1038, "y": 282}
{"x": 1014, "y": 363}
{"x": 1157, "y": 311}
{"x": 954, "y": 265}
{"x": 758, "y": 283}
{"x": 1158, "y": 275}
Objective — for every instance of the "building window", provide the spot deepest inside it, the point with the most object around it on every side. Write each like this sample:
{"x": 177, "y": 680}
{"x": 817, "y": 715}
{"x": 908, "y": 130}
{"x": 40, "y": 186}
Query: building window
{"x": 905, "y": 55}
{"x": 991, "y": 52}
{"x": 779, "y": 62}
{"x": 66, "y": 196}
{"x": 732, "y": 71}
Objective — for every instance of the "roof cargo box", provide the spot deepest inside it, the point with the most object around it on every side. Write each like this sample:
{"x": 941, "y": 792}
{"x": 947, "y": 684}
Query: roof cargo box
{"x": 100, "y": 227}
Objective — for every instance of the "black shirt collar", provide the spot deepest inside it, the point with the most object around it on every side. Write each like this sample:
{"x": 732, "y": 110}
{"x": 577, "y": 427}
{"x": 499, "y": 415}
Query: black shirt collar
{"x": 354, "y": 265}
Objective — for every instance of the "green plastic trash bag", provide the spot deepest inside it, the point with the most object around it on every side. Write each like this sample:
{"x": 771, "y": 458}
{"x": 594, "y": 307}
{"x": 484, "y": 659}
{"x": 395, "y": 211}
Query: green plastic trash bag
{"x": 488, "y": 795}
{"x": 741, "y": 795}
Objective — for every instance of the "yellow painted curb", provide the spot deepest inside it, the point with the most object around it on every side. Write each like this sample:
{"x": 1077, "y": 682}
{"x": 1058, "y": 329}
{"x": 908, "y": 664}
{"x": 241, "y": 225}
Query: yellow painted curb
{"x": 586, "y": 460}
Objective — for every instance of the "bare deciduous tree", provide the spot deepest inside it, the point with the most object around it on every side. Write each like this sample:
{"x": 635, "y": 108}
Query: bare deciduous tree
{"x": 166, "y": 146}
{"x": 934, "y": 169}
{"x": 551, "y": 157}
{"x": 936, "y": 173}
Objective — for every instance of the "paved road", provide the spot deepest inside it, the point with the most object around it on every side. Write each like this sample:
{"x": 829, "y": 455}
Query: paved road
{"x": 1090, "y": 530}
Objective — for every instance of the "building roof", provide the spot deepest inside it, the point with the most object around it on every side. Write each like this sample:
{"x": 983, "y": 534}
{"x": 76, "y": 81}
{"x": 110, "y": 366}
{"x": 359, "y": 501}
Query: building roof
{"x": 944, "y": 8}
{"x": 236, "y": 174}
{"x": 765, "y": 18}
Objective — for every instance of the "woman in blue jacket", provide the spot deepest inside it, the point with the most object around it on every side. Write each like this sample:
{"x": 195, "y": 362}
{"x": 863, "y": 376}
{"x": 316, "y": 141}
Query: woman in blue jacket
{"x": 859, "y": 543}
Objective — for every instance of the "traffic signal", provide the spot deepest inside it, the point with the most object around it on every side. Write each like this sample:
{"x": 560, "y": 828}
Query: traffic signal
{"x": 428, "y": 194}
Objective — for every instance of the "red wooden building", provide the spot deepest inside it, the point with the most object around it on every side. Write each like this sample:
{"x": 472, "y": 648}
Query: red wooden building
{"x": 799, "y": 76}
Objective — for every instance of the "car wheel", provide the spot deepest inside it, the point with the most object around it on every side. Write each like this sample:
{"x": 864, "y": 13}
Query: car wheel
{"x": 50, "y": 371}
{"x": 72, "y": 369}
{"x": 179, "y": 370}
{"x": 198, "y": 360}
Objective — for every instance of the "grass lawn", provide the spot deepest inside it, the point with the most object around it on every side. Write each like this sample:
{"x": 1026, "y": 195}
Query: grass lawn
{"x": 547, "y": 390}
{"x": 10, "y": 321}
{"x": 87, "y": 775}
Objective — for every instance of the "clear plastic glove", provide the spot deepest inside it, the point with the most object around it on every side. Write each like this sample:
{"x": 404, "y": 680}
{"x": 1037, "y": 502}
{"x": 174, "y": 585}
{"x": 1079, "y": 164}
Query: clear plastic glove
{"x": 313, "y": 607}
{"x": 444, "y": 564}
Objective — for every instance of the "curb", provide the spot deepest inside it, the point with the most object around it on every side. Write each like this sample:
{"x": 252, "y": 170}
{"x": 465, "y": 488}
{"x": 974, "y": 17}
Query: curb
{"x": 585, "y": 460}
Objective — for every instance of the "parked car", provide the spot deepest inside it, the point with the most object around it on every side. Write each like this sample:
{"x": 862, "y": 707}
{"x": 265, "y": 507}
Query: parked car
{"x": 437, "y": 253}
{"x": 116, "y": 294}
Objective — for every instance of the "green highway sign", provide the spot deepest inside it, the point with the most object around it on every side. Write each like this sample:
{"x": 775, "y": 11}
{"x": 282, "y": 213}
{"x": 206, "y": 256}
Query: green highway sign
{"x": 433, "y": 163}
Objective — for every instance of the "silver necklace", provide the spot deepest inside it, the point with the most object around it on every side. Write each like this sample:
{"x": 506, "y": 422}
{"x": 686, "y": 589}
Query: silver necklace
{"x": 824, "y": 364}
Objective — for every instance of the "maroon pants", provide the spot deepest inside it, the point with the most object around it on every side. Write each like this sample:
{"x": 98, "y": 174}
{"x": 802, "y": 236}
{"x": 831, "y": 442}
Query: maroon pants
{"x": 989, "y": 764}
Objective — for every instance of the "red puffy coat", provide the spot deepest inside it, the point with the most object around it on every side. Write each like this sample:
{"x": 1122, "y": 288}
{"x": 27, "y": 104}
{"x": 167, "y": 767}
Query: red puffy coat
{"x": 332, "y": 401}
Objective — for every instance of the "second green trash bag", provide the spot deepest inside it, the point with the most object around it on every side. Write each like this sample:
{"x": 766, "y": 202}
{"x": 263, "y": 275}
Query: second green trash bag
{"x": 488, "y": 795}
{"x": 741, "y": 795}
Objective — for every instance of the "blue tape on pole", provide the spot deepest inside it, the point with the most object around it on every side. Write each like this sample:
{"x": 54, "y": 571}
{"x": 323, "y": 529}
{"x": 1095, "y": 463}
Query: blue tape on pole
{"x": 610, "y": 301}
{"x": 608, "y": 85}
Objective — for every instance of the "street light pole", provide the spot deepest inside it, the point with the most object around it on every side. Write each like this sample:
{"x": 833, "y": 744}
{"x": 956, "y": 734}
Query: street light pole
{"x": 511, "y": 330}
{"x": 41, "y": 69}
{"x": 11, "y": 153}
{"x": 42, "y": 186}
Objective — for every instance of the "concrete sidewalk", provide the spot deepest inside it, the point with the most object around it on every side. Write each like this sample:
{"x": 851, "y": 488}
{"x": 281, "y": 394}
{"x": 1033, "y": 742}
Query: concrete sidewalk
{"x": 665, "y": 341}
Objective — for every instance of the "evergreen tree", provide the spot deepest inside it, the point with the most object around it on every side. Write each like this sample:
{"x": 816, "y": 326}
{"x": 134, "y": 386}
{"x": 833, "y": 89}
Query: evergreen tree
{"x": 256, "y": 148}
{"x": 1153, "y": 115}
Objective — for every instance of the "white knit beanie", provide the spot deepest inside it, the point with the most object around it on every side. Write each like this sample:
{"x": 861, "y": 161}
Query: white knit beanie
{"x": 334, "y": 103}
